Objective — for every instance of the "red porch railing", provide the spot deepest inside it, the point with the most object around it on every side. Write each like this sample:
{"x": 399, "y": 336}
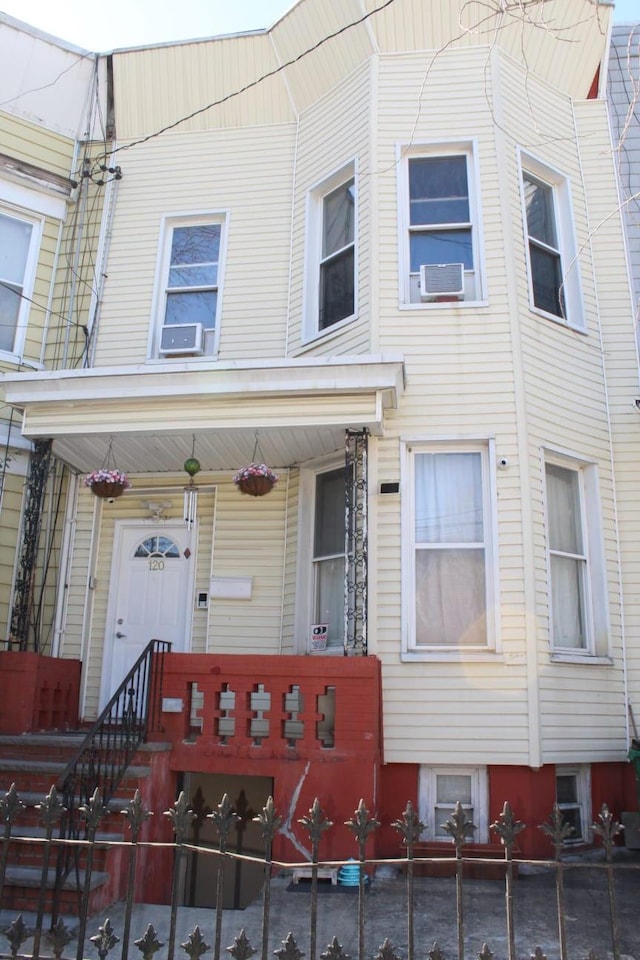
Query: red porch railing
{"x": 38, "y": 692}
{"x": 273, "y": 706}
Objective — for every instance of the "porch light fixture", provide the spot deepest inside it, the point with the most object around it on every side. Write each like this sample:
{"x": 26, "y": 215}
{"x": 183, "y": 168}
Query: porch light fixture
{"x": 191, "y": 466}
{"x": 156, "y": 508}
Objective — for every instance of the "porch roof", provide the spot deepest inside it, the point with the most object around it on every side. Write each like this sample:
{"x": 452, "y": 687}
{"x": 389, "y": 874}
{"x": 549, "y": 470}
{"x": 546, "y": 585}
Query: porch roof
{"x": 300, "y": 408}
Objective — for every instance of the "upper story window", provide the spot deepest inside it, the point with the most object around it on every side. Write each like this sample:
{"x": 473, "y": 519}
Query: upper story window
{"x": 449, "y": 550}
{"x": 554, "y": 281}
{"x": 191, "y": 285}
{"x": 440, "y": 256}
{"x": 577, "y": 584}
{"x": 331, "y": 294}
{"x": 19, "y": 242}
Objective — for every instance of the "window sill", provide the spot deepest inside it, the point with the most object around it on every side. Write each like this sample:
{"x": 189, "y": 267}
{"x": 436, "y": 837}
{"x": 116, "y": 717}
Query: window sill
{"x": 185, "y": 358}
{"x": 444, "y": 305}
{"x": 588, "y": 659}
{"x": 318, "y": 336}
{"x": 560, "y": 321}
{"x": 451, "y": 656}
{"x": 6, "y": 356}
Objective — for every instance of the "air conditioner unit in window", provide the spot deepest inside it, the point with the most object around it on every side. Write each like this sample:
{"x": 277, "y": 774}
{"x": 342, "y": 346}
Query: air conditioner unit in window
{"x": 441, "y": 280}
{"x": 182, "y": 338}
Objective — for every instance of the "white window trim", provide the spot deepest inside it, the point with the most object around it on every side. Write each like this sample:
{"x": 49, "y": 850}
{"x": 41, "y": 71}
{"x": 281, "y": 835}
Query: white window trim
{"x": 304, "y": 585}
{"x": 598, "y": 640}
{"x": 582, "y": 773}
{"x": 567, "y": 246}
{"x": 29, "y": 278}
{"x": 479, "y": 800}
{"x": 439, "y": 148}
{"x": 313, "y": 251}
{"x": 485, "y": 446}
{"x": 167, "y": 225}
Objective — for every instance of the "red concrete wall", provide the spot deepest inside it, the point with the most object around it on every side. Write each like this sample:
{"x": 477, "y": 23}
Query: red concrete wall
{"x": 37, "y": 692}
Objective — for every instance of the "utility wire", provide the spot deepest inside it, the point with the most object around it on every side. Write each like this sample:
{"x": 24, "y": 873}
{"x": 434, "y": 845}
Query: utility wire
{"x": 252, "y": 83}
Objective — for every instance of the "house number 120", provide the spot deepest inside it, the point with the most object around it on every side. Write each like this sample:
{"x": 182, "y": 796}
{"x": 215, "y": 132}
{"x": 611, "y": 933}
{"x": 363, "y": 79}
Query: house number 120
{"x": 156, "y": 564}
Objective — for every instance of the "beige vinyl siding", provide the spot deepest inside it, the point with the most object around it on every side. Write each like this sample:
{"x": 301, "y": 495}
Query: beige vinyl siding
{"x": 10, "y": 515}
{"x": 36, "y": 145}
{"x": 217, "y": 69}
{"x": 460, "y": 383}
{"x": 290, "y": 642}
{"x": 217, "y": 172}
{"x": 319, "y": 70}
{"x": 249, "y": 541}
{"x": 332, "y": 133}
{"x": 440, "y": 24}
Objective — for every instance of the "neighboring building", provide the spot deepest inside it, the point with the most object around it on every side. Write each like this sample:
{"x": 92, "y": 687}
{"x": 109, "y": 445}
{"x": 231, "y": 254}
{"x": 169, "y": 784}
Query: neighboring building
{"x": 49, "y": 94}
{"x": 623, "y": 86}
{"x": 404, "y": 241}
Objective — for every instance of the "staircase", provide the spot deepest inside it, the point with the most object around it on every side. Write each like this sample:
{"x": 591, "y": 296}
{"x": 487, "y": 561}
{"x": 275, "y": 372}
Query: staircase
{"x": 95, "y": 775}
{"x": 35, "y": 762}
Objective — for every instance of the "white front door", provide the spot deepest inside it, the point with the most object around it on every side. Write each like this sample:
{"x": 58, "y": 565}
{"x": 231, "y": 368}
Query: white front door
{"x": 150, "y": 599}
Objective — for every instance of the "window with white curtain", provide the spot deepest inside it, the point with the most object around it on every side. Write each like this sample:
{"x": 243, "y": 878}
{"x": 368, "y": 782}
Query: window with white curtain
{"x": 329, "y": 554}
{"x": 450, "y": 553}
{"x": 577, "y": 583}
{"x": 440, "y": 788}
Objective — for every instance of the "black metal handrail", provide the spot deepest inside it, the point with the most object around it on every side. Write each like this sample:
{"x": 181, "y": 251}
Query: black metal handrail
{"x": 102, "y": 758}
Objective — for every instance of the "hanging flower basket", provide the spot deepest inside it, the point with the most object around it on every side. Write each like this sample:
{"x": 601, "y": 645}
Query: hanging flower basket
{"x": 107, "y": 484}
{"x": 256, "y": 479}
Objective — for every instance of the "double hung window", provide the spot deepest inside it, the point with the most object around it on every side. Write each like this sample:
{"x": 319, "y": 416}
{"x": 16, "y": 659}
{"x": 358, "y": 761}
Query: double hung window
{"x": 191, "y": 287}
{"x": 551, "y": 249}
{"x": 337, "y": 278}
{"x": 18, "y": 242}
{"x": 450, "y": 550}
{"x": 331, "y": 292}
{"x": 441, "y": 257}
{"x": 577, "y": 586}
{"x": 441, "y": 788}
{"x": 573, "y": 795}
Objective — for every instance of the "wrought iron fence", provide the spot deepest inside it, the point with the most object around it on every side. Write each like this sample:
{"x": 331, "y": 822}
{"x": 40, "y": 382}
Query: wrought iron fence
{"x": 398, "y": 920}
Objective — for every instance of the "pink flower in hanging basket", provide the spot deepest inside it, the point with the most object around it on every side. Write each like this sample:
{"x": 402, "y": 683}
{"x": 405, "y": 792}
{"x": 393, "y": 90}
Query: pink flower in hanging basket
{"x": 256, "y": 479}
{"x": 255, "y": 470}
{"x": 116, "y": 477}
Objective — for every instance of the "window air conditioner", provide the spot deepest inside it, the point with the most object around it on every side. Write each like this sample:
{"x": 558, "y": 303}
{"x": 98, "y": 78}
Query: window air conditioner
{"x": 441, "y": 280}
{"x": 181, "y": 338}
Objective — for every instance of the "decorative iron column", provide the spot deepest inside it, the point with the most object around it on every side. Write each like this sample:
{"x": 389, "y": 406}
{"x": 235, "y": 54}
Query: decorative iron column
{"x": 355, "y": 585}
{"x": 23, "y": 590}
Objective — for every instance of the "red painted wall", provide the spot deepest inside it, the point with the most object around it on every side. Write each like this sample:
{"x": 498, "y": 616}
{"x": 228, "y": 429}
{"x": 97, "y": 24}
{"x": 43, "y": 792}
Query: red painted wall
{"x": 37, "y": 692}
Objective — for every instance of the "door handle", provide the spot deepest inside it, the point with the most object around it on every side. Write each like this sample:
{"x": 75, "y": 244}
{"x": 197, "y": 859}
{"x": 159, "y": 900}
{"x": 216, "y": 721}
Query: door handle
{"x": 120, "y": 636}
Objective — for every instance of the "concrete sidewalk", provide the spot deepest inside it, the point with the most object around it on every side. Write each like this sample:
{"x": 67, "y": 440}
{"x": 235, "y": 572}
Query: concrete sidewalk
{"x": 587, "y": 917}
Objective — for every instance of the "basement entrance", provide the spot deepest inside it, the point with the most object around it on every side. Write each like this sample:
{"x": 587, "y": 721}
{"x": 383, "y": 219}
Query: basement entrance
{"x": 242, "y": 880}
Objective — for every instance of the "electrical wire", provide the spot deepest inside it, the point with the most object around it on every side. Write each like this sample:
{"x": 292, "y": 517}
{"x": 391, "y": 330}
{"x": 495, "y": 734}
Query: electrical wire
{"x": 253, "y": 83}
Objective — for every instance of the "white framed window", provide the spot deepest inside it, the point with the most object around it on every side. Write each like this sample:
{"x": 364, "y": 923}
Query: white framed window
{"x": 331, "y": 268}
{"x": 439, "y": 230}
{"x": 573, "y": 796}
{"x": 440, "y": 788}
{"x": 449, "y": 550}
{"x": 321, "y": 555}
{"x": 189, "y": 286}
{"x": 552, "y": 262}
{"x": 20, "y": 236}
{"x": 578, "y": 608}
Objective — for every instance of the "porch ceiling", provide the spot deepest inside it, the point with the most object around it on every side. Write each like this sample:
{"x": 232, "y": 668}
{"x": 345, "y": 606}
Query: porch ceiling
{"x": 300, "y": 409}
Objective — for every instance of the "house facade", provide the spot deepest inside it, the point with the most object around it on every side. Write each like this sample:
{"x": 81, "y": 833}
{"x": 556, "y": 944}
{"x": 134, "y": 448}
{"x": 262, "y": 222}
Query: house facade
{"x": 379, "y": 249}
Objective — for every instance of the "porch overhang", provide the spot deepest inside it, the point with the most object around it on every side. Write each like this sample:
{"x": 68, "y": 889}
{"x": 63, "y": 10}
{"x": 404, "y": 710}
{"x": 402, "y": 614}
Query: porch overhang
{"x": 300, "y": 409}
